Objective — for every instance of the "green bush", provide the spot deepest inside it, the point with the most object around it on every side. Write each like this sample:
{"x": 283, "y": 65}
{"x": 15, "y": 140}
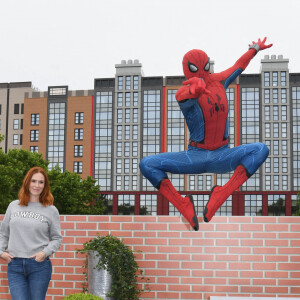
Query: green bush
{"x": 83, "y": 297}
{"x": 118, "y": 259}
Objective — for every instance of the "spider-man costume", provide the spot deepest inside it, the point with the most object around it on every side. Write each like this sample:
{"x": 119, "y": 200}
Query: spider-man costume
{"x": 203, "y": 102}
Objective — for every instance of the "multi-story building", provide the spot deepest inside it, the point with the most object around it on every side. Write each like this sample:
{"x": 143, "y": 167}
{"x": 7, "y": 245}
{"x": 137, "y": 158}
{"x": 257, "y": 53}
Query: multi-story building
{"x": 12, "y": 113}
{"x": 106, "y": 131}
{"x": 58, "y": 124}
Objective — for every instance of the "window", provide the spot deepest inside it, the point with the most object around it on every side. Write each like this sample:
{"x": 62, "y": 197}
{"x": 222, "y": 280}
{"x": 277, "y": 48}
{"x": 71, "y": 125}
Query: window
{"x": 127, "y": 115}
{"x": 120, "y": 99}
{"x": 134, "y": 149}
{"x": 134, "y": 165}
{"x": 58, "y": 91}
{"x": 268, "y": 182}
{"x": 284, "y": 182}
{"x": 16, "y": 109}
{"x": 135, "y": 82}
{"x": 275, "y": 78}
{"x": 78, "y": 134}
{"x": 126, "y": 165}
{"x": 267, "y": 113}
{"x": 119, "y": 149}
{"x": 77, "y": 167}
{"x": 276, "y": 164}
{"x": 119, "y": 132}
{"x": 134, "y": 183}
{"x": 268, "y": 165}
{"x": 275, "y": 113}
{"x": 192, "y": 182}
{"x": 276, "y": 182}
{"x": 15, "y": 139}
{"x": 275, "y": 95}
{"x": 276, "y": 147}
{"x": 35, "y": 119}
{"x": 120, "y": 83}
{"x": 267, "y": 96}
{"x": 79, "y": 118}
{"x": 34, "y": 135}
{"x": 34, "y": 149}
{"x": 283, "y": 113}
{"x": 284, "y": 147}
{"x": 16, "y": 124}
{"x": 119, "y": 166}
{"x": 126, "y": 149}
{"x": 127, "y": 132}
{"x": 120, "y": 115}
{"x": 284, "y": 130}
{"x": 78, "y": 149}
{"x": 284, "y": 165}
{"x": 208, "y": 182}
{"x": 56, "y": 134}
{"x": 267, "y": 78}
{"x": 0, "y": 109}
{"x": 283, "y": 78}
{"x": 21, "y": 124}
{"x": 200, "y": 182}
{"x": 268, "y": 130}
{"x": 283, "y": 95}
{"x": 119, "y": 183}
{"x": 276, "y": 130}
{"x": 126, "y": 183}
{"x": 135, "y": 99}
{"x": 134, "y": 132}
{"x": 21, "y": 139}
{"x": 128, "y": 83}
{"x": 135, "y": 115}
{"x": 127, "y": 99}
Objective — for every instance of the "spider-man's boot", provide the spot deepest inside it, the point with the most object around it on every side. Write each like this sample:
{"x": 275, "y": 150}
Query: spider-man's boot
{"x": 219, "y": 194}
{"x": 185, "y": 205}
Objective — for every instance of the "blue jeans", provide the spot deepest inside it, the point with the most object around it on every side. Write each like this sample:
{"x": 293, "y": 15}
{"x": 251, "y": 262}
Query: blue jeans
{"x": 29, "y": 279}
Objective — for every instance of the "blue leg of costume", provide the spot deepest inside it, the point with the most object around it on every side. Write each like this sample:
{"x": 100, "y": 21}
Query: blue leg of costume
{"x": 197, "y": 161}
{"x": 245, "y": 159}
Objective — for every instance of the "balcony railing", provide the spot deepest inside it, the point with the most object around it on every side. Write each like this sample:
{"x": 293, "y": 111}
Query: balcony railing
{"x": 240, "y": 203}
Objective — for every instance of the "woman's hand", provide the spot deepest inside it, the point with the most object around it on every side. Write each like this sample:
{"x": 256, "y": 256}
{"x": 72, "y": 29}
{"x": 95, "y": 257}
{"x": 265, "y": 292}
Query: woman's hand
{"x": 7, "y": 257}
{"x": 39, "y": 257}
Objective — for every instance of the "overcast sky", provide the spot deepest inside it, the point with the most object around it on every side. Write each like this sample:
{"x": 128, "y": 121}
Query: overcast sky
{"x": 71, "y": 42}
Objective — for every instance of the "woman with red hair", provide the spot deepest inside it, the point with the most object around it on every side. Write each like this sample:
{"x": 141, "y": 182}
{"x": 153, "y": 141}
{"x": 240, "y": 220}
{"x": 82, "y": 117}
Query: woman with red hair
{"x": 29, "y": 234}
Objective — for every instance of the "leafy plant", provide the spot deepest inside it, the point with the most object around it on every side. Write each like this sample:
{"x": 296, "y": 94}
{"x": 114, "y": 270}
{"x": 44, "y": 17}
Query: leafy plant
{"x": 73, "y": 195}
{"x": 82, "y": 297}
{"x": 119, "y": 260}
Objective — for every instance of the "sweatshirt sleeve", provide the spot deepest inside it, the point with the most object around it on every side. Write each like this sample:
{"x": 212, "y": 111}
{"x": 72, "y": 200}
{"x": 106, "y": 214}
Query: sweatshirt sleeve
{"x": 4, "y": 230}
{"x": 55, "y": 237}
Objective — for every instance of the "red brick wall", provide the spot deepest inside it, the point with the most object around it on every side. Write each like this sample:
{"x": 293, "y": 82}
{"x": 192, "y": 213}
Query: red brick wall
{"x": 230, "y": 256}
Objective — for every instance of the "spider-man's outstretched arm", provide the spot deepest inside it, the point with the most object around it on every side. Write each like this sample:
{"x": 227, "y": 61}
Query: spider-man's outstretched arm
{"x": 230, "y": 74}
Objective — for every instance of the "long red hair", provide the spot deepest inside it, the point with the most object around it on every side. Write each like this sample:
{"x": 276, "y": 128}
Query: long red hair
{"x": 46, "y": 197}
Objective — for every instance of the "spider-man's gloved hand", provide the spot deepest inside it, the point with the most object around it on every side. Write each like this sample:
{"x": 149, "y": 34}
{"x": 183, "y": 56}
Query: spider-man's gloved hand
{"x": 260, "y": 45}
{"x": 193, "y": 88}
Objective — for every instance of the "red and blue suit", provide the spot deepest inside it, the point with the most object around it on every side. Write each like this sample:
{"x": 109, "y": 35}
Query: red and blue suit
{"x": 203, "y": 102}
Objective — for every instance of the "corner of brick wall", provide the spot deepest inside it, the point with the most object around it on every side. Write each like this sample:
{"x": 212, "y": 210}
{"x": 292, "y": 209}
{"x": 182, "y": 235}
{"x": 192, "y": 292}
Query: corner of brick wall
{"x": 230, "y": 256}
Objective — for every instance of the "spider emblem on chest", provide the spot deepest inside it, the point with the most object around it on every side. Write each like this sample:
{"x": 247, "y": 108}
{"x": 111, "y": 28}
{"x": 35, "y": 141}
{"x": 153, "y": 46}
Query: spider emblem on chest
{"x": 215, "y": 107}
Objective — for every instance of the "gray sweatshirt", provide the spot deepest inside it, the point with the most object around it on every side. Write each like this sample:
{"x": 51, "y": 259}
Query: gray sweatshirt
{"x": 27, "y": 230}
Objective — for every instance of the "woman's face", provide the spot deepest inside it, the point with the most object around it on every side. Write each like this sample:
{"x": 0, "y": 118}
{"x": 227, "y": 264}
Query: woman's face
{"x": 37, "y": 184}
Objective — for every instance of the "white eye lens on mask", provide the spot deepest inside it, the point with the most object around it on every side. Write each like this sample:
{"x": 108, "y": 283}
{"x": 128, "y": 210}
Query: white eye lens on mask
{"x": 206, "y": 68}
{"x": 192, "y": 68}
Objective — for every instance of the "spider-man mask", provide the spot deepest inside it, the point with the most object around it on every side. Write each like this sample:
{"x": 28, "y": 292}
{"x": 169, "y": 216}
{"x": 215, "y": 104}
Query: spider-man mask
{"x": 196, "y": 64}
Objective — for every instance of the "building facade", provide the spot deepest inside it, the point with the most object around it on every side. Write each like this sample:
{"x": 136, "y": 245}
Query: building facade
{"x": 58, "y": 124}
{"x": 12, "y": 113}
{"x": 105, "y": 132}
